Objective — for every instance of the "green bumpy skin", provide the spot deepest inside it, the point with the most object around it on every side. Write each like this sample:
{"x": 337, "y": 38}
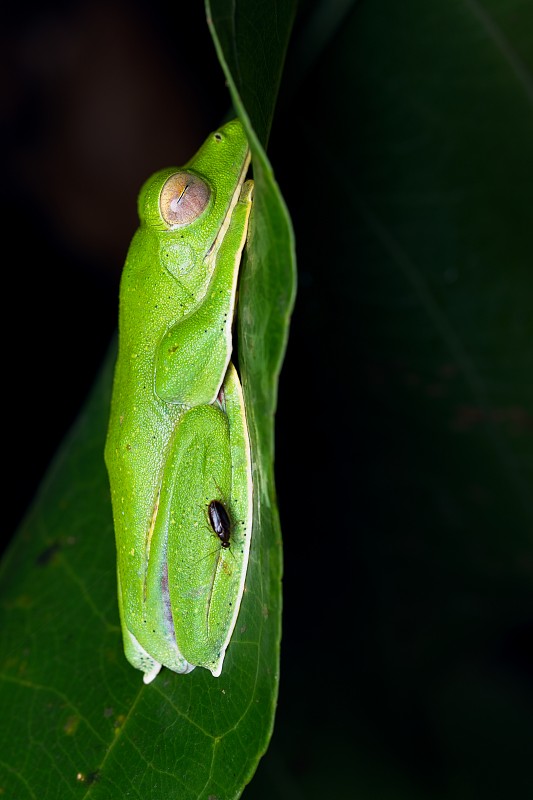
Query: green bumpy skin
{"x": 177, "y": 437}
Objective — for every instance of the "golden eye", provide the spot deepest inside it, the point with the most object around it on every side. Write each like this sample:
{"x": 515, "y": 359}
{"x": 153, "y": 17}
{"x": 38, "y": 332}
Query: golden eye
{"x": 183, "y": 198}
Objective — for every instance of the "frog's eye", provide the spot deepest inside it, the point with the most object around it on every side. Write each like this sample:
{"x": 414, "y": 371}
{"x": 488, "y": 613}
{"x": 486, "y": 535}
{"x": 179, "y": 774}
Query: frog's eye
{"x": 183, "y": 198}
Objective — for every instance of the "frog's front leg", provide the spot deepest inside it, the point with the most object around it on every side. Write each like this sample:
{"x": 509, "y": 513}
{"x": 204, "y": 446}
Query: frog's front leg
{"x": 193, "y": 356}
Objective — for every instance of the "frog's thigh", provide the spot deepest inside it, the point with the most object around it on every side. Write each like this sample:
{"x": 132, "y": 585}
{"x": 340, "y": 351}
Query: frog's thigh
{"x": 199, "y": 471}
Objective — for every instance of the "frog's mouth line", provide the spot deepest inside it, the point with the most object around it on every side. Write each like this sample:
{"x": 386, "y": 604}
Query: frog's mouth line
{"x": 233, "y": 202}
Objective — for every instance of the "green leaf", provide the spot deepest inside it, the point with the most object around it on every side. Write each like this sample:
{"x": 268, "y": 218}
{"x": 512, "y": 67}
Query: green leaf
{"x": 81, "y": 722}
{"x": 254, "y": 67}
